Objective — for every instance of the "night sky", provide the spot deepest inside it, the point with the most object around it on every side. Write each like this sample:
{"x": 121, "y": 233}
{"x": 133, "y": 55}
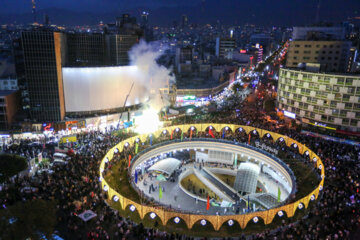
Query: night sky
{"x": 276, "y": 12}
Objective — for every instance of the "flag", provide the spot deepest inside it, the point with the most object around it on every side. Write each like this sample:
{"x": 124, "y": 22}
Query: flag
{"x": 160, "y": 192}
{"x": 136, "y": 148}
{"x": 248, "y": 203}
{"x": 142, "y": 169}
{"x": 182, "y": 135}
{"x": 150, "y": 139}
{"x": 208, "y": 203}
{"x": 129, "y": 160}
{"x": 279, "y": 194}
{"x": 136, "y": 176}
{"x": 223, "y": 133}
{"x": 249, "y": 138}
{"x": 211, "y": 133}
{"x": 191, "y": 134}
{"x": 171, "y": 136}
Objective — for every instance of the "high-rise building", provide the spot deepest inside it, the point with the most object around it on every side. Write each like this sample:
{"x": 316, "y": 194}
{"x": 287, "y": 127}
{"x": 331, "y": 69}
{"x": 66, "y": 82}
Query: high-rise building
{"x": 323, "y": 45}
{"x": 40, "y": 74}
{"x": 84, "y": 49}
{"x": 184, "y": 21}
{"x": 224, "y": 47}
{"x": 118, "y": 46}
{"x": 320, "y": 99}
{"x": 144, "y": 19}
{"x": 40, "y": 55}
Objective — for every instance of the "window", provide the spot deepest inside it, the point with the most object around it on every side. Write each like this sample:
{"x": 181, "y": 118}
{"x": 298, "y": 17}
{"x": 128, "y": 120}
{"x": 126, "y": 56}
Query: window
{"x": 349, "y": 81}
{"x": 307, "y": 52}
{"x": 318, "y": 46}
{"x": 340, "y": 81}
{"x": 297, "y": 45}
{"x": 295, "y": 57}
{"x": 353, "y": 122}
{"x": 296, "y": 51}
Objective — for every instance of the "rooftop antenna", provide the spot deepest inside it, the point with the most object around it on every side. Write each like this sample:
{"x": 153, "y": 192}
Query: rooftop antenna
{"x": 34, "y": 10}
{"x": 318, "y": 12}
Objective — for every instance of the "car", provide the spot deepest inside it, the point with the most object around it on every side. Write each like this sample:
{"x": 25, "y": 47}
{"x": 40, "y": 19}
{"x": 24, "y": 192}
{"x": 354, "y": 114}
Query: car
{"x": 58, "y": 162}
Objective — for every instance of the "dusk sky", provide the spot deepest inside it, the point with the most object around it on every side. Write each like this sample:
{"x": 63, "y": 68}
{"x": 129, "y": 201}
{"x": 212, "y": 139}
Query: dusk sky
{"x": 276, "y": 12}
{"x": 21, "y": 6}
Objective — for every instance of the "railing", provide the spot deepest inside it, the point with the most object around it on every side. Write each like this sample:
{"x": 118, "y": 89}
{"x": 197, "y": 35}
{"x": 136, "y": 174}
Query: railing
{"x": 217, "y": 221}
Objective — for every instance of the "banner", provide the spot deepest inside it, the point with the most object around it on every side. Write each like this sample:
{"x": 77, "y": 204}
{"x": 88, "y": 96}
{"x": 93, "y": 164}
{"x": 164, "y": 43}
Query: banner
{"x": 87, "y": 215}
{"x": 266, "y": 148}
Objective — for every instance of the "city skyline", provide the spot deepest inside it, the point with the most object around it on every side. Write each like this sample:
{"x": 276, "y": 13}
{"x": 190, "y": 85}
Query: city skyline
{"x": 165, "y": 12}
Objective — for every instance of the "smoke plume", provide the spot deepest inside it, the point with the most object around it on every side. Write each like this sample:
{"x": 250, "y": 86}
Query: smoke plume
{"x": 152, "y": 76}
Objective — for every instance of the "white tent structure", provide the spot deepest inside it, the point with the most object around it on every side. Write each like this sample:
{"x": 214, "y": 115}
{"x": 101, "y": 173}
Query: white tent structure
{"x": 166, "y": 166}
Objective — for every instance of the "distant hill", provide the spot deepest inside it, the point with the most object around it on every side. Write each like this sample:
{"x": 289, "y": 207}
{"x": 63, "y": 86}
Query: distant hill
{"x": 260, "y": 12}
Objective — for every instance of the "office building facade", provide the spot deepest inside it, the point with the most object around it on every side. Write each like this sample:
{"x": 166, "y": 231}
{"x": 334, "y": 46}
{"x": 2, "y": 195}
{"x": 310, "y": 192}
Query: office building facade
{"x": 40, "y": 55}
{"x": 325, "y": 100}
{"x": 332, "y": 56}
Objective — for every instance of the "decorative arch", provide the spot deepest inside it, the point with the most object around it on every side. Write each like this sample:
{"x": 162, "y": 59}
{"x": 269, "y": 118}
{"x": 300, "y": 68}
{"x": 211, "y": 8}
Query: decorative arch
{"x": 236, "y": 218}
{"x": 216, "y": 221}
{"x": 209, "y": 220}
{"x": 249, "y": 217}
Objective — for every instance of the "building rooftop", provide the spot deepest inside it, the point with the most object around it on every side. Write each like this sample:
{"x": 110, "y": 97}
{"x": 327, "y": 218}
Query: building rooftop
{"x": 4, "y": 93}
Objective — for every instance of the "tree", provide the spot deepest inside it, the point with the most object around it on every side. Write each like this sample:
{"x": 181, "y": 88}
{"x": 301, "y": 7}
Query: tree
{"x": 11, "y": 165}
{"x": 236, "y": 87}
{"x": 28, "y": 219}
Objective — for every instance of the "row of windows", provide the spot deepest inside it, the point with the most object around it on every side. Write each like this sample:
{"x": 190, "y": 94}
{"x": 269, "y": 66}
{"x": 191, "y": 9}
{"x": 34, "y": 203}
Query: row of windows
{"x": 325, "y": 118}
{"x": 316, "y": 86}
{"x": 318, "y": 46}
{"x": 322, "y": 96}
{"x": 321, "y": 77}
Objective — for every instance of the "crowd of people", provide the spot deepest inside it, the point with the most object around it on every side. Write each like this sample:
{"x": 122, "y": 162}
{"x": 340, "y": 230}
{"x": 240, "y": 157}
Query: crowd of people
{"x": 76, "y": 187}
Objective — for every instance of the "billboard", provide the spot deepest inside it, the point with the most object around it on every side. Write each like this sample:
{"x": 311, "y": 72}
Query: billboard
{"x": 101, "y": 88}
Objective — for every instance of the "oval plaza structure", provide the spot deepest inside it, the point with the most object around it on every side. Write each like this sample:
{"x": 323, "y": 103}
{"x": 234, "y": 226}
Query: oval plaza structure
{"x": 259, "y": 160}
{"x": 226, "y": 154}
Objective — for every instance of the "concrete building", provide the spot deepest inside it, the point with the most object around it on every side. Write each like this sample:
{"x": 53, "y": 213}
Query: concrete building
{"x": 323, "y": 45}
{"x": 9, "y": 106}
{"x": 334, "y": 33}
{"x": 322, "y": 99}
{"x": 333, "y": 56}
{"x": 41, "y": 54}
{"x": 8, "y": 84}
{"x": 224, "y": 47}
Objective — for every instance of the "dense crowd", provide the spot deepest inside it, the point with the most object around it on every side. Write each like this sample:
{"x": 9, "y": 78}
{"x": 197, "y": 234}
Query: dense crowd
{"x": 76, "y": 188}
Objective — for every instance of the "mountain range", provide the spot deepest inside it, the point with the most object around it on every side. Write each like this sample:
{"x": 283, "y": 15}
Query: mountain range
{"x": 259, "y": 12}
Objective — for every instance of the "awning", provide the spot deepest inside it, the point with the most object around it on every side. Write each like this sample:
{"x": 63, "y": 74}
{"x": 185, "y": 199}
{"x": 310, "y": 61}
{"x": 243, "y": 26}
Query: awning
{"x": 168, "y": 166}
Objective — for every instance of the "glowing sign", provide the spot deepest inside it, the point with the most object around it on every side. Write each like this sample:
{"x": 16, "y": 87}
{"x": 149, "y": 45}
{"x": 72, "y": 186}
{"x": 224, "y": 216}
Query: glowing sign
{"x": 189, "y": 98}
{"x": 289, "y": 114}
{"x": 242, "y": 51}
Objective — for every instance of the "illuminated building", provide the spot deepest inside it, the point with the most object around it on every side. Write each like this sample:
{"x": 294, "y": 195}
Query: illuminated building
{"x": 323, "y": 45}
{"x": 322, "y": 99}
{"x": 224, "y": 47}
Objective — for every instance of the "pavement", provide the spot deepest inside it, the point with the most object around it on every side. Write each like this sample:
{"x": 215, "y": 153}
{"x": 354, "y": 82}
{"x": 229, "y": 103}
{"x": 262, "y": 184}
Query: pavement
{"x": 174, "y": 197}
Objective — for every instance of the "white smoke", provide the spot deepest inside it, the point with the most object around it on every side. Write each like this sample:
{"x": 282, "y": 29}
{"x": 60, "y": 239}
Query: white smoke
{"x": 152, "y": 76}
